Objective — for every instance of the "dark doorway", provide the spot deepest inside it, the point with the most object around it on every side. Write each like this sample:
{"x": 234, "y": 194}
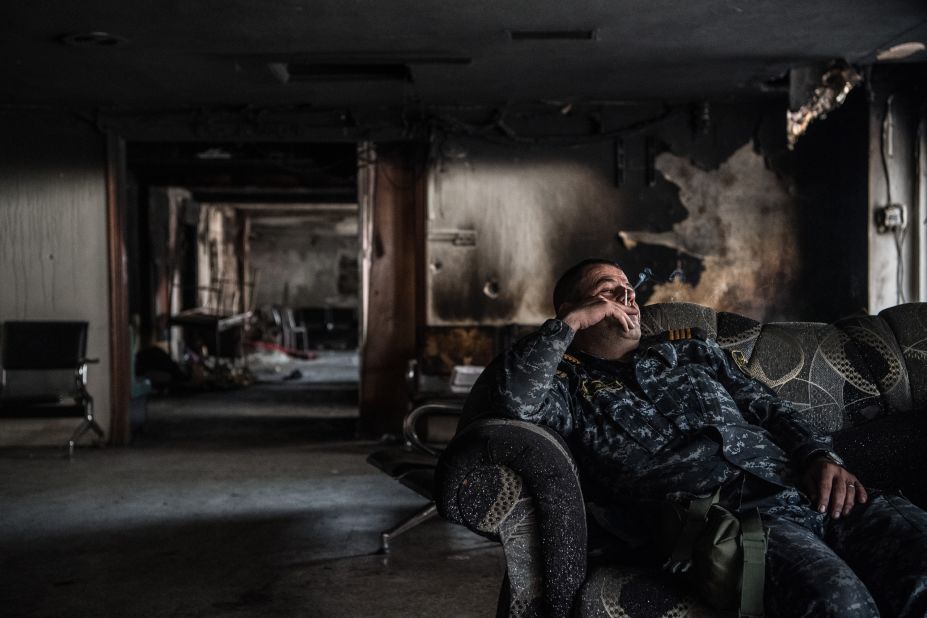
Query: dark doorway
{"x": 244, "y": 295}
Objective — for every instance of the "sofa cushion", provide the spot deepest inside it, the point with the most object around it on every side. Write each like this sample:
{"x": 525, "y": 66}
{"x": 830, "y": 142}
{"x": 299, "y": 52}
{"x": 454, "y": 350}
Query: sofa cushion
{"x": 909, "y": 326}
{"x": 839, "y": 375}
{"x": 737, "y": 334}
{"x": 732, "y": 331}
{"x": 879, "y": 350}
{"x": 818, "y": 367}
{"x": 662, "y": 317}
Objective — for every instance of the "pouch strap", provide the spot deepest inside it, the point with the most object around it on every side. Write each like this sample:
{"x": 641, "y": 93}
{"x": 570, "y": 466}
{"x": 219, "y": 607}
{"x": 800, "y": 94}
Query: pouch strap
{"x": 753, "y": 577}
{"x": 696, "y": 514}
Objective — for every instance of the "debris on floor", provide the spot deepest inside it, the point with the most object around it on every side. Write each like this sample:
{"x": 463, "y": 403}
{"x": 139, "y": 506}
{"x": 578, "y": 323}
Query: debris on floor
{"x": 271, "y": 364}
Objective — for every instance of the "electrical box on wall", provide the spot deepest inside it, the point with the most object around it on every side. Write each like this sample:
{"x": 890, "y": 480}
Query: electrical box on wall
{"x": 890, "y": 218}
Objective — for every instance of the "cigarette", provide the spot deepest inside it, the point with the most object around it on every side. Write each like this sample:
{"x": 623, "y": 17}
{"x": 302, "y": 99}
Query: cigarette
{"x": 626, "y": 296}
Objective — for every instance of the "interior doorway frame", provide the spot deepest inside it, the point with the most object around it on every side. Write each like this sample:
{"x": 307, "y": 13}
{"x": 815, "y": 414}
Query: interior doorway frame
{"x": 391, "y": 213}
{"x": 117, "y": 267}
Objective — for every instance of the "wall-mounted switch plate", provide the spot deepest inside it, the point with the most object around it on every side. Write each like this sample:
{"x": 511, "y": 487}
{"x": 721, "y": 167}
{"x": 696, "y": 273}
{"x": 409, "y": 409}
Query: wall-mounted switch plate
{"x": 890, "y": 218}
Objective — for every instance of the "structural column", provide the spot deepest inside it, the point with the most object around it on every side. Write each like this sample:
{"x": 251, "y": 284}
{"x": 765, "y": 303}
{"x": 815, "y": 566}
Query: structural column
{"x": 394, "y": 294}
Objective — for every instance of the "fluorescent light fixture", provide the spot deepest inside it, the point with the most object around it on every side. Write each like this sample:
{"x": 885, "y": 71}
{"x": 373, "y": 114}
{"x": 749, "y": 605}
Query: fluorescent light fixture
{"x": 901, "y": 51}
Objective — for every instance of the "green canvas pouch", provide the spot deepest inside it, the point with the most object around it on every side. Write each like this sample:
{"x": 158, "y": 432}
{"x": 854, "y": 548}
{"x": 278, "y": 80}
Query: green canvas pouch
{"x": 721, "y": 554}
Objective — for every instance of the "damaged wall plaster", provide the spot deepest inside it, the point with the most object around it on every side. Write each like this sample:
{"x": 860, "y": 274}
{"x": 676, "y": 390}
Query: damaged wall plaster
{"x": 305, "y": 261}
{"x": 756, "y": 228}
{"x": 741, "y": 224}
{"x": 53, "y": 251}
{"x": 505, "y": 222}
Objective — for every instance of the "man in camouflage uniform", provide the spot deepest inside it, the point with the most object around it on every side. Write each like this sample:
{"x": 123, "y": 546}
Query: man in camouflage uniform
{"x": 670, "y": 418}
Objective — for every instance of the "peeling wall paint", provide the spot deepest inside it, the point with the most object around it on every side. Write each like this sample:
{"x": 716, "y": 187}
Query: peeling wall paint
{"x": 503, "y": 225}
{"x": 756, "y": 228}
{"x": 741, "y": 225}
{"x": 53, "y": 252}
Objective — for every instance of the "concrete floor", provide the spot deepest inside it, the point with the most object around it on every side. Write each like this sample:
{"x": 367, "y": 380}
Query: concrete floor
{"x": 236, "y": 504}
{"x": 332, "y": 366}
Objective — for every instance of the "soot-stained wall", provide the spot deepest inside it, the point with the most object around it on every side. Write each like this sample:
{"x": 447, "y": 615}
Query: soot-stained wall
{"x": 740, "y": 228}
{"x": 504, "y": 221}
{"x": 723, "y": 207}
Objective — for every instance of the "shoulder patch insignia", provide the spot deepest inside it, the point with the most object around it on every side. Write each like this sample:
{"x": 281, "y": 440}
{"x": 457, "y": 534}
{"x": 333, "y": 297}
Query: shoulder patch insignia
{"x": 591, "y": 388}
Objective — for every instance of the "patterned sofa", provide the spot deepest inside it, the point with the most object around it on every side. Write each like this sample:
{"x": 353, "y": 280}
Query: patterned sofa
{"x": 862, "y": 380}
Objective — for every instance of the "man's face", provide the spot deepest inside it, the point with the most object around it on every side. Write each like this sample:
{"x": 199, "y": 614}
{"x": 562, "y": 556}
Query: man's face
{"x": 610, "y": 283}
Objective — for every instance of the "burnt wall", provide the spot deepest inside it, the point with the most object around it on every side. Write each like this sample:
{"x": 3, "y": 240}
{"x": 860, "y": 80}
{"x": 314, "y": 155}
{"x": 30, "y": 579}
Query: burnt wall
{"x": 709, "y": 193}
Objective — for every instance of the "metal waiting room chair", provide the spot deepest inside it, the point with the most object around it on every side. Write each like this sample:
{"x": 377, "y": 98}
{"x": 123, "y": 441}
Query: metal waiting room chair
{"x": 414, "y": 463}
{"x": 44, "y": 373}
{"x": 293, "y": 331}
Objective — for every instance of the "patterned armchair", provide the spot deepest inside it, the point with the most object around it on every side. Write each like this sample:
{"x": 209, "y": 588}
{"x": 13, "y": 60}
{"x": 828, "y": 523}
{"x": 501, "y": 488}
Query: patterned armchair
{"x": 862, "y": 380}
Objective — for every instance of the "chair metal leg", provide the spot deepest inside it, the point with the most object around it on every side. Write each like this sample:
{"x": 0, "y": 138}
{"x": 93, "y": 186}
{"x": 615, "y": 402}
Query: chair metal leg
{"x": 87, "y": 424}
{"x": 415, "y": 519}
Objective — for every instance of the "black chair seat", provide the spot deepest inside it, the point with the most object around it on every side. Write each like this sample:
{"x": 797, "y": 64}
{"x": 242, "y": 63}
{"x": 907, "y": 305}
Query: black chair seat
{"x": 399, "y": 461}
{"x": 421, "y": 481}
{"x": 40, "y": 409}
{"x": 45, "y": 373}
{"x": 414, "y": 466}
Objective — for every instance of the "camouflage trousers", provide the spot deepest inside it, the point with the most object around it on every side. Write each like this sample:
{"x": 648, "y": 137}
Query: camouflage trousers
{"x": 871, "y": 562}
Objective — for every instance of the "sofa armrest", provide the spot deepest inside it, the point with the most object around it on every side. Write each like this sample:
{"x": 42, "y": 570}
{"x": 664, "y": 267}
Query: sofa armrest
{"x": 504, "y": 479}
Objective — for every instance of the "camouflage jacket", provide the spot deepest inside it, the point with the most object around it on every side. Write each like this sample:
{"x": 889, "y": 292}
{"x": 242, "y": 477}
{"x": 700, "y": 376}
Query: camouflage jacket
{"x": 677, "y": 419}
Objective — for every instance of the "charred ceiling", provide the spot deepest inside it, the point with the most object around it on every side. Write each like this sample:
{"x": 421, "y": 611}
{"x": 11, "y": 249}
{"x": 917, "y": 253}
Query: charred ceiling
{"x": 177, "y": 55}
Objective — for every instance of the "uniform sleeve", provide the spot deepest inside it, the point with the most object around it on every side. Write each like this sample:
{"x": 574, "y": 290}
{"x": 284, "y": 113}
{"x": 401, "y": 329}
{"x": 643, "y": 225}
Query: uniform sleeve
{"x": 761, "y": 406}
{"x": 523, "y": 384}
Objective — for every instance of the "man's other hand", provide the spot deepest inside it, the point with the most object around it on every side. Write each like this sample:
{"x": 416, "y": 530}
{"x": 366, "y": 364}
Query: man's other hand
{"x": 832, "y": 486}
{"x": 589, "y": 312}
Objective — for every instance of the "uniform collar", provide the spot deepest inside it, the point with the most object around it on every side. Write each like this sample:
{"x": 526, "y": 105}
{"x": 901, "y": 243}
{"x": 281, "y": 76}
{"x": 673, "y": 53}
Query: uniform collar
{"x": 590, "y": 360}
{"x": 655, "y": 346}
